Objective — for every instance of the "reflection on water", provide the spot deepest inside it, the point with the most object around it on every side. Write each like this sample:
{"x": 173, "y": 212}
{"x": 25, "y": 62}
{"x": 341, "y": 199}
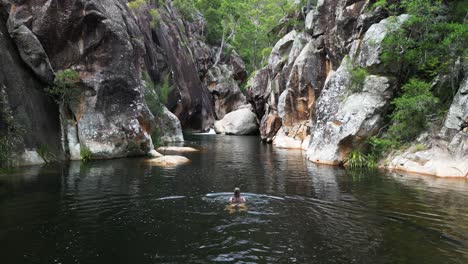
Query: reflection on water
{"x": 127, "y": 211}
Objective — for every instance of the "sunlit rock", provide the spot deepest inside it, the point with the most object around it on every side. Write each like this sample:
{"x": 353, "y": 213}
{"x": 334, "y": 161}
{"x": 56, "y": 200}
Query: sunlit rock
{"x": 30, "y": 157}
{"x": 153, "y": 153}
{"x": 344, "y": 119}
{"x": 168, "y": 161}
{"x": 174, "y": 150}
{"x": 240, "y": 122}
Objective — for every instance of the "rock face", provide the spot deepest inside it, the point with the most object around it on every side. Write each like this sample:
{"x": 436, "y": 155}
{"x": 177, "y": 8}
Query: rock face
{"x": 445, "y": 154}
{"x": 227, "y": 95}
{"x": 239, "y": 122}
{"x": 308, "y": 97}
{"x": 342, "y": 124}
{"x": 110, "y": 117}
{"x": 111, "y": 46}
{"x": 285, "y": 92}
{"x": 22, "y": 95}
{"x": 170, "y": 127}
{"x": 191, "y": 102}
{"x": 345, "y": 118}
{"x": 201, "y": 92}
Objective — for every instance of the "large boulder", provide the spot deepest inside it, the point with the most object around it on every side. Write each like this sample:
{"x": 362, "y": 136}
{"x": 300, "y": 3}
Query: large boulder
{"x": 100, "y": 40}
{"x": 239, "y": 122}
{"x": 169, "y": 127}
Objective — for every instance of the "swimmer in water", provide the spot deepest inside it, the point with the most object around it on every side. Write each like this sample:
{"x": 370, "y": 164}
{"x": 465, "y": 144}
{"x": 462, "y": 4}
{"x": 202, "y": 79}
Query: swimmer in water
{"x": 237, "y": 198}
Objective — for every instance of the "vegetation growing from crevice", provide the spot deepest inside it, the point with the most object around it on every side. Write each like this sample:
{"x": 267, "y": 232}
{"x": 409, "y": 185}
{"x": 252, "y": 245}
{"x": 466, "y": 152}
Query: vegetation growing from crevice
{"x": 156, "y": 97}
{"x": 412, "y": 111}
{"x": 358, "y": 76}
{"x": 136, "y": 4}
{"x": 357, "y": 159}
{"x": 429, "y": 47}
{"x": 85, "y": 154}
{"x": 46, "y": 154}
{"x": 65, "y": 89}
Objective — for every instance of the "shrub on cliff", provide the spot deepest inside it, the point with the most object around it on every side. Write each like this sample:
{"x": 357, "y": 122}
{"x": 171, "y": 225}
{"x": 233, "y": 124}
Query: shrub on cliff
{"x": 412, "y": 110}
{"x": 155, "y": 98}
{"x": 428, "y": 47}
{"x": 65, "y": 88}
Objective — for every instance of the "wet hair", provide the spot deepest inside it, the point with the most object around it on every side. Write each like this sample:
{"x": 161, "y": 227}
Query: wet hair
{"x": 236, "y": 192}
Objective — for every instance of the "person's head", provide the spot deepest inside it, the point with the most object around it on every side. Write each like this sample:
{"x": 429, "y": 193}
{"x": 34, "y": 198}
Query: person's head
{"x": 236, "y": 192}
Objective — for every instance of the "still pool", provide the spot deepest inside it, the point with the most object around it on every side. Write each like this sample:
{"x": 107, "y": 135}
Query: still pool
{"x": 127, "y": 211}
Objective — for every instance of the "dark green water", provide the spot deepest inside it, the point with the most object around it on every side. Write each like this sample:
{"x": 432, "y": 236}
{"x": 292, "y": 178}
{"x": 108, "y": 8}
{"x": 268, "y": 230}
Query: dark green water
{"x": 125, "y": 211}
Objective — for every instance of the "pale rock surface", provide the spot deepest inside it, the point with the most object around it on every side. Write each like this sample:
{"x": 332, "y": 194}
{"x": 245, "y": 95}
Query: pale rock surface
{"x": 239, "y": 122}
{"x": 168, "y": 161}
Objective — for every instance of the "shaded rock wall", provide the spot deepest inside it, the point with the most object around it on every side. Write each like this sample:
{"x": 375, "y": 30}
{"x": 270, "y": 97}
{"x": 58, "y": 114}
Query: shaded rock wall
{"x": 201, "y": 92}
{"x": 101, "y": 41}
{"x": 34, "y": 112}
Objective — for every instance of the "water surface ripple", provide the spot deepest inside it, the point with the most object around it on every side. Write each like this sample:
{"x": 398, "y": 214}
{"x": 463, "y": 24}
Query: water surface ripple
{"x": 126, "y": 211}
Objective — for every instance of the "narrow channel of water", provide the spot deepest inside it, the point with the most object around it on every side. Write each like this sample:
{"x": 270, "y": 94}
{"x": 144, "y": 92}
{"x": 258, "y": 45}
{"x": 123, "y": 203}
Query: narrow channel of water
{"x": 126, "y": 211}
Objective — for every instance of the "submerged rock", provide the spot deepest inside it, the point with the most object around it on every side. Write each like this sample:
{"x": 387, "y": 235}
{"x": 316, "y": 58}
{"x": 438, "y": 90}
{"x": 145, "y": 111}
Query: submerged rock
{"x": 172, "y": 150}
{"x": 239, "y": 122}
{"x": 168, "y": 161}
{"x": 153, "y": 153}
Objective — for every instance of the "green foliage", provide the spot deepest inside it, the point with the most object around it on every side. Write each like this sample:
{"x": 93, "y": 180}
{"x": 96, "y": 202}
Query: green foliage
{"x": 65, "y": 89}
{"x": 357, "y": 159}
{"x": 379, "y": 146}
{"x": 155, "y": 18}
{"x": 379, "y": 3}
{"x": 156, "y": 97}
{"x": 186, "y": 8}
{"x": 248, "y": 22}
{"x": 358, "y": 77}
{"x": 136, "y": 4}
{"x": 412, "y": 110}
{"x": 430, "y": 43}
{"x": 156, "y": 137}
{"x": 419, "y": 147}
{"x": 45, "y": 153}
{"x": 86, "y": 154}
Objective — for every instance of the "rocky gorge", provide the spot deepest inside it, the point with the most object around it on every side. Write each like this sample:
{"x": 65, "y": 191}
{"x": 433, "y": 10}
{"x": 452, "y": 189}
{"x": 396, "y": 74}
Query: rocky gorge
{"x": 304, "y": 98}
